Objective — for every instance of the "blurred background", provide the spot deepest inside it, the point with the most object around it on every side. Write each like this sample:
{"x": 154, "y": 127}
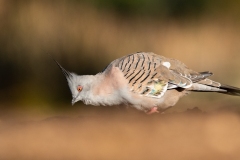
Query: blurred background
{"x": 86, "y": 35}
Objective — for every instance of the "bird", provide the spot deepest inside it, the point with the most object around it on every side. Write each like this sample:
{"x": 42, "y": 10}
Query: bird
{"x": 144, "y": 80}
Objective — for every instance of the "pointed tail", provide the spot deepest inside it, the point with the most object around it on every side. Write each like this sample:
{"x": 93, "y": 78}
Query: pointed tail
{"x": 203, "y": 84}
{"x": 230, "y": 90}
{"x": 208, "y": 85}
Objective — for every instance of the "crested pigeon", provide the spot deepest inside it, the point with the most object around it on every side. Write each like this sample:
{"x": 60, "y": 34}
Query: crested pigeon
{"x": 144, "y": 80}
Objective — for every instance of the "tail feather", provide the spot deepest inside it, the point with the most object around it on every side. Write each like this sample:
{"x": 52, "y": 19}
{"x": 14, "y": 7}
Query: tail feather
{"x": 198, "y": 87}
{"x": 210, "y": 82}
{"x": 230, "y": 90}
{"x": 225, "y": 89}
{"x": 202, "y": 84}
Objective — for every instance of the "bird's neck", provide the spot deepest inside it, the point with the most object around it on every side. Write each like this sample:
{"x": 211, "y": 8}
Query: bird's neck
{"x": 94, "y": 83}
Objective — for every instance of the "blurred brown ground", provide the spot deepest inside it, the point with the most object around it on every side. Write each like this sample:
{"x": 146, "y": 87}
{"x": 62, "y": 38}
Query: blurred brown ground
{"x": 122, "y": 134}
{"x": 37, "y": 120}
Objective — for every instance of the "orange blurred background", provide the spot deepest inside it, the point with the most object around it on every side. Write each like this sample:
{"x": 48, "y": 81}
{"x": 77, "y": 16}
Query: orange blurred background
{"x": 85, "y": 36}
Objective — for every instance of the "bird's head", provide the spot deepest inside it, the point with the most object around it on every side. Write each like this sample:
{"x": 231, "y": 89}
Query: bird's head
{"x": 79, "y": 84}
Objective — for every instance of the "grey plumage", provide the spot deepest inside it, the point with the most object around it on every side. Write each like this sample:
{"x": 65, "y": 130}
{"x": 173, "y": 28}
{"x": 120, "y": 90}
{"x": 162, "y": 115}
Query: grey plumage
{"x": 144, "y": 80}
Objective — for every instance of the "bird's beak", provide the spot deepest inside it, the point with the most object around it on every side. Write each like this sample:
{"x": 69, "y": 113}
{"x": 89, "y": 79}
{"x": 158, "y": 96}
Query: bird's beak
{"x": 74, "y": 100}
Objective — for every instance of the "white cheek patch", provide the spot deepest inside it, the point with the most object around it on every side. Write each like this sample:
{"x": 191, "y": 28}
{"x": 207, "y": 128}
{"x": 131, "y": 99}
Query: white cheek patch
{"x": 166, "y": 64}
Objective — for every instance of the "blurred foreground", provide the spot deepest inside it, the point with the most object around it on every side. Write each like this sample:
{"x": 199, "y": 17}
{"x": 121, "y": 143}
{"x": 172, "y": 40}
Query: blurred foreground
{"x": 114, "y": 133}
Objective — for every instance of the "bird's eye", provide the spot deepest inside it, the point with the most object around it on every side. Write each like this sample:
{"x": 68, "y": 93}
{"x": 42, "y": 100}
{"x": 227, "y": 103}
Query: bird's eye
{"x": 79, "y": 88}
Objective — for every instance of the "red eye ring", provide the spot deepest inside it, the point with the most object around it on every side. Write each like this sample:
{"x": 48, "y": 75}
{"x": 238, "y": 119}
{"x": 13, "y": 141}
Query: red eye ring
{"x": 79, "y": 88}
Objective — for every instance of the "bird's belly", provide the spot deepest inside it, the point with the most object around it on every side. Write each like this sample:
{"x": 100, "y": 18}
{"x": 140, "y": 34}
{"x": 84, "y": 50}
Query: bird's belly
{"x": 169, "y": 99}
{"x": 142, "y": 102}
